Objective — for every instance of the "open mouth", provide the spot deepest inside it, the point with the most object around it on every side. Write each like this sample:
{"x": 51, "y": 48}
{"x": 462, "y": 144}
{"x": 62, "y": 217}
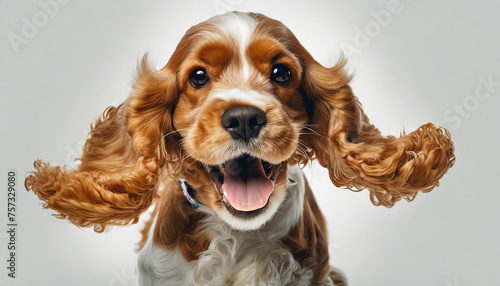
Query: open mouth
{"x": 245, "y": 184}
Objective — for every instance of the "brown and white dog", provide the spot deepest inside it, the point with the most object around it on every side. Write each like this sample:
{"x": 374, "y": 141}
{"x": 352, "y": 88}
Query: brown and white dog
{"x": 214, "y": 139}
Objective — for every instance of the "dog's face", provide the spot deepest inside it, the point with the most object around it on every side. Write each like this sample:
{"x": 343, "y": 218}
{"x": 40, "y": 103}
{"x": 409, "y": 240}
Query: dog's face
{"x": 239, "y": 100}
{"x": 240, "y": 114}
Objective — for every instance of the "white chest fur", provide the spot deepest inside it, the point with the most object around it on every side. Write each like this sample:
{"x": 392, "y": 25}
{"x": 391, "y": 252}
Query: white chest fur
{"x": 234, "y": 257}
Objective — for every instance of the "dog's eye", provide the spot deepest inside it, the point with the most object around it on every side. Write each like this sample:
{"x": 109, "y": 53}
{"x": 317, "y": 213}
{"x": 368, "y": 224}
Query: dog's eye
{"x": 281, "y": 74}
{"x": 198, "y": 78}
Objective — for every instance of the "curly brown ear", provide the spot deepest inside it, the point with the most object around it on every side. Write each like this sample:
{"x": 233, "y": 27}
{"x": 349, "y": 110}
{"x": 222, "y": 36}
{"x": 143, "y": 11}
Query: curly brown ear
{"x": 354, "y": 151}
{"x": 121, "y": 161}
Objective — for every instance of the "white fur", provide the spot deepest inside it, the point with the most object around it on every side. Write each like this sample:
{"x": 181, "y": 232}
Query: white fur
{"x": 254, "y": 223}
{"x": 235, "y": 257}
{"x": 240, "y": 27}
{"x": 251, "y": 96}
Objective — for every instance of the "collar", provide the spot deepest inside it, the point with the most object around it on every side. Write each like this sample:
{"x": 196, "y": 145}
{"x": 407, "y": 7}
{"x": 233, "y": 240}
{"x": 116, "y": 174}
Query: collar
{"x": 189, "y": 193}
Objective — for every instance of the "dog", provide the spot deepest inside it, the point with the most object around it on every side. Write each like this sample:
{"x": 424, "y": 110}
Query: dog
{"x": 215, "y": 141}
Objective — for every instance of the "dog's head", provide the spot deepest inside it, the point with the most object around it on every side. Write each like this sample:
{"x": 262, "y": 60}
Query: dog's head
{"x": 239, "y": 100}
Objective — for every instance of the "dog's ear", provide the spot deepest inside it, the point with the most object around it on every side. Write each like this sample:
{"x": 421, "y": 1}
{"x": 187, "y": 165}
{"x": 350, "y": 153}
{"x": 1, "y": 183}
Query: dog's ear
{"x": 178, "y": 223}
{"x": 354, "y": 151}
{"x": 121, "y": 161}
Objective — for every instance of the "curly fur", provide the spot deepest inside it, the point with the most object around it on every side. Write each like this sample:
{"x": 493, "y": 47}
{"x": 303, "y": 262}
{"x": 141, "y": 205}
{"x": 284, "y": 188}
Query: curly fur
{"x": 391, "y": 168}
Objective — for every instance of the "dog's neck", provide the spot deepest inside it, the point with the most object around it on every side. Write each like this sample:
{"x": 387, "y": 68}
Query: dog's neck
{"x": 246, "y": 255}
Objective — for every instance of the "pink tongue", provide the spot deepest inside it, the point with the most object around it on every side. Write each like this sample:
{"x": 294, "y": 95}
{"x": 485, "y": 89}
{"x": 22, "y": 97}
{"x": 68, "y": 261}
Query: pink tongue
{"x": 247, "y": 194}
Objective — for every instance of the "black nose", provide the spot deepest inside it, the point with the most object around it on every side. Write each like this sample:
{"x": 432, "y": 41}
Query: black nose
{"x": 243, "y": 122}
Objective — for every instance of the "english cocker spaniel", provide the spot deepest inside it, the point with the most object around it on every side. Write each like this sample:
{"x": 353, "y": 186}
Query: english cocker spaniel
{"x": 213, "y": 140}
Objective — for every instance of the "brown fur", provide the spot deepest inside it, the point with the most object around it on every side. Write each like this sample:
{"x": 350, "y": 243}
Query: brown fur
{"x": 308, "y": 240}
{"x": 112, "y": 186}
{"x": 180, "y": 228}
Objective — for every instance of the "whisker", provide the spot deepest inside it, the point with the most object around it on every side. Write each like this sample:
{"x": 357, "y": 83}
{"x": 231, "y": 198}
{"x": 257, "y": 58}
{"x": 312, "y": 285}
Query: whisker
{"x": 310, "y": 129}
{"x": 172, "y": 132}
{"x": 304, "y": 145}
{"x": 301, "y": 133}
{"x": 191, "y": 164}
{"x": 301, "y": 147}
{"x": 302, "y": 151}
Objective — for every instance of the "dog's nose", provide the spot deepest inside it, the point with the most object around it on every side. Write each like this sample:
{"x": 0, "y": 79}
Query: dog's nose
{"x": 244, "y": 122}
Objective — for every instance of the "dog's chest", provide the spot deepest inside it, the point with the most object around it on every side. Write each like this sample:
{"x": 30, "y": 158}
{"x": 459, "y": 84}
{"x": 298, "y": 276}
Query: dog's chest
{"x": 244, "y": 259}
{"x": 232, "y": 259}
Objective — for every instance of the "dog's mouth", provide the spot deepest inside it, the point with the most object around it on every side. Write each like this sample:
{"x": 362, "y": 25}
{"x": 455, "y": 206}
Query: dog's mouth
{"x": 245, "y": 184}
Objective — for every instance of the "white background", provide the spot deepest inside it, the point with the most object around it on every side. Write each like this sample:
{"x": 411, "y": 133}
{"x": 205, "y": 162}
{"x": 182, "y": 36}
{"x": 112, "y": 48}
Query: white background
{"x": 427, "y": 59}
